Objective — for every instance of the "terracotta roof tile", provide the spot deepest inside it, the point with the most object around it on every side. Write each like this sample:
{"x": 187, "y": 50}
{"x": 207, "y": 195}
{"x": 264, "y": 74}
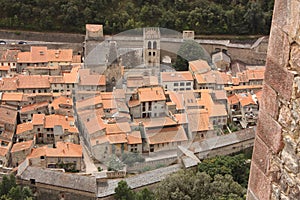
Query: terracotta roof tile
{"x": 63, "y": 149}
{"x": 38, "y": 119}
{"x": 35, "y": 106}
{"x": 156, "y": 121}
{"x": 116, "y": 128}
{"x": 94, "y": 27}
{"x": 176, "y": 76}
{"x": 8, "y": 84}
{"x": 256, "y": 74}
{"x": 166, "y": 135}
{"x": 117, "y": 138}
{"x": 199, "y": 120}
{"x": 134, "y": 137}
{"x": 3, "y": 151}
{"x": 85, "y": 78}
{"x": 7, "y": 116}
{"x": 151, "y": 94}
{"x": 62, "y": 101}
{"x": 33, "y": 82}
{"x": 12, "y": 96}
{"x": 9, "y": 55}
{"x": 22, "y": 146}
{"x": 4, "y": 68}
{"x": 60, "y": 55}
{"x": 199, "y": 66}
{"x": 66, "y": 122}
{"x": 72, "y": 77}
{"x": 21, "y": 128}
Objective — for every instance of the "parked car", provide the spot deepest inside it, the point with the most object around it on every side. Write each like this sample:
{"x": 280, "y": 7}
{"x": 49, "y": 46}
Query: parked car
{"x": 22, "y": 42}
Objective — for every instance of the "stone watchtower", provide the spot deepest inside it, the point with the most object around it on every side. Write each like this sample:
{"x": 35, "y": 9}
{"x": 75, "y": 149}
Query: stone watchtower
{"x": 151, "y": 47}
{"x": 275, "y": 167}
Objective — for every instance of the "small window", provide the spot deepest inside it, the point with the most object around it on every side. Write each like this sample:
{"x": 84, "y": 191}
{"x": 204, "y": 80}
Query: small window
{"x": 149, "y": 53}
{"x": 175, "y": 84}
{"x": 181, "y": 83}
{"x": 188, "y": 84}
{"x": 32, "y": 181}
{"x": 42, "y": 157}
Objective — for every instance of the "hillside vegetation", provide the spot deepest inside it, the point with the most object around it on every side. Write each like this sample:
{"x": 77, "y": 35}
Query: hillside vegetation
{"x": 203, "y": 16}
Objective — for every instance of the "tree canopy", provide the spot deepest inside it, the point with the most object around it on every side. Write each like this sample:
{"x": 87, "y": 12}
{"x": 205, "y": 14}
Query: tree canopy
{"x": 9, "y": 190}
{"x": 203, "y": 16}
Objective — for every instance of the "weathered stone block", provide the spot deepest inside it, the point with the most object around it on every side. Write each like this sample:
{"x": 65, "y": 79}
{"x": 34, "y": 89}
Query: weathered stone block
{"x": 284, "y": 116}
{"x": 290, "y": 161}
{"x": 259, "y": 184}
{"x": 261, "y": 154}
{"x": 295, "y": 57}
{"x": 279, "y": 48}
{"x": 251, "y": 196}
{"x": 296, "y": 91}
{"x": 274, "y": 169}
{"x": 279, "y": 79}
{"x": 294, "y": 21}
{"x": 269, "y": 101}
{"x": 275, "y": 192}
{"x": 270, "y": 132}
{"x": 280, "y": 13}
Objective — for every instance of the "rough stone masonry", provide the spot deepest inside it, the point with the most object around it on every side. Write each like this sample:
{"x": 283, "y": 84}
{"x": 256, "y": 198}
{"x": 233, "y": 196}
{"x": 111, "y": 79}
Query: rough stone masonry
{"x": 275, "y": 167}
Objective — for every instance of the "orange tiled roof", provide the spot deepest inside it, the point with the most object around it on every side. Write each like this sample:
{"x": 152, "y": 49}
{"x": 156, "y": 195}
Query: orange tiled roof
{"x": 65, "y": 122}
{"x": 176, "y": 76}
{"x": 151, "y": 94}
{"x": 181, "y": 118}
{"x": 4, "y": 68}
{"x": 35, "y": 106}
{"x": 62, "y": 100}
{"x": 209, "y": 77}
{"x": 117, "y": 138}
{"x": 63, "y": 149}
{"x": 22, "y": 146}
{"x": 76, "y": 59}
{"x": 3, "y": 151}
{"x": 134, "y": 137}
{"x": 9, "y": 55}
{"x": 259, "y": 95}
{"x": 246, "y": 99}
{"x": 94, "y": 27}
{"x": 199, "y": 66}
{"x": 156, "y": 121}
{"x": 233, "y": 99}
{"x": 21, "y": 128}
{"x": 235, "y": 81}
{"x": 85, "y": 78}
{"x": 256, "y": 74}
{"x": 38, "y": 119}
{"x": 33, "y": 82}
{"x": 12, "y": 96}
{"x": 166, "y": 135}
{"x": 107, "y": 95}
{"x": 199, "y": 120}
{"x": 242, "y": 87}
{"x": 60, "y": 55}
{"x": 109, "y": 104}
{"x": 178, "y": 99}
{"x": 115, "y": 128}
{"x": 8, "y": 116}
{"x": 72, "y": 77}
{"x": 37, "y": 54}
{"x": 8, "y": 84}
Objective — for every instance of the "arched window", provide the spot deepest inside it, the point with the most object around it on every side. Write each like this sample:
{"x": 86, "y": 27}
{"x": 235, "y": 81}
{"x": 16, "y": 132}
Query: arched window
{"x": 154, "y": 45}
{"x": 149, "y": 45}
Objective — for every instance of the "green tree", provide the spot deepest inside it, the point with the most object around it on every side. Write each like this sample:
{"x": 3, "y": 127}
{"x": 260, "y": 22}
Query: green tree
{"x": 186, "y": 185}
{"x": 189, "y": 51}
{"x": 236, "y": 166}
{"x": 10, "y": 191}
{"x": 123, "y": 191}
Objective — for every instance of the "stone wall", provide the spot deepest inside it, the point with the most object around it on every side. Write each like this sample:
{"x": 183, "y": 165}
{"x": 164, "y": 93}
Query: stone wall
{"x": 275, "y": 171}
{"x": 42, "y": 36}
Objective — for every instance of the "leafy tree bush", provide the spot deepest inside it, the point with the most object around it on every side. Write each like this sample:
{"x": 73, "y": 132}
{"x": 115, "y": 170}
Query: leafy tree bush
{"x": 203, "y": 16}
{"x": 236, "y": 166}
{"x": 10, "y": 191}
{"x": 186, "y": 185}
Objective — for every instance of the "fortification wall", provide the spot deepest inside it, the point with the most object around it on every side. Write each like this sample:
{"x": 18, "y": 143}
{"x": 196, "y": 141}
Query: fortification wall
{"x": 275, "y": 170}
